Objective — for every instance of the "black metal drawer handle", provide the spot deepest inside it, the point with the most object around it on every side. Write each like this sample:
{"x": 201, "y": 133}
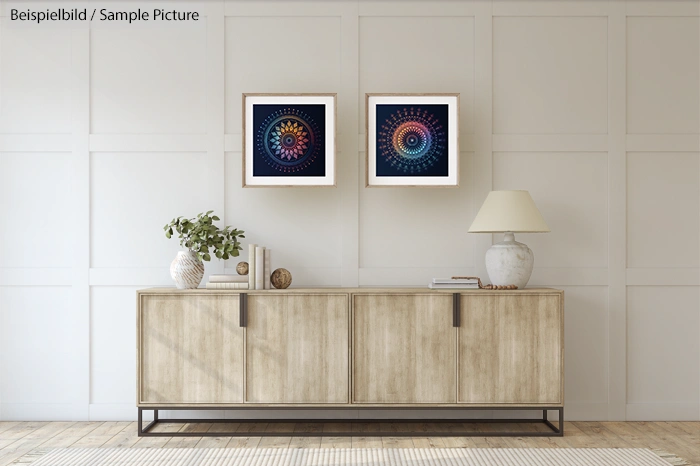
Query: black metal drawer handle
{"x": 243, "y": 309}
{"x": 455, "y": 309}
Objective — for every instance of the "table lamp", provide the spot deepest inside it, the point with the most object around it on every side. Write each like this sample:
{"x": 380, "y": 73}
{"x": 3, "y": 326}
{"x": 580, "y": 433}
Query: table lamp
{"x": 509, "y": 212}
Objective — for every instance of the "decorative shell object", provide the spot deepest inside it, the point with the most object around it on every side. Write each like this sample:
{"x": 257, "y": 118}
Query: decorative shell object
{"x": 187, "y": 270}
{"x": 281, "y": 279}
{"x": 242, "y": 268}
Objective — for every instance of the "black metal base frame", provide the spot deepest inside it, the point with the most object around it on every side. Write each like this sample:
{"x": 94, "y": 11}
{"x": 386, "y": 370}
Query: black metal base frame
{"x": 555, "y": 431}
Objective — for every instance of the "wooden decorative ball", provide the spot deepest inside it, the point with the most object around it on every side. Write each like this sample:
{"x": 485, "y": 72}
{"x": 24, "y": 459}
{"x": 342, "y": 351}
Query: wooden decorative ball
{"x": 281, "y": 279}
{"x": 242, "y": 268}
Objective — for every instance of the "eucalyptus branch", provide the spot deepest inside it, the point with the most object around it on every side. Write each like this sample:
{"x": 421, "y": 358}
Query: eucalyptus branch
{"x": 199, "y": 234}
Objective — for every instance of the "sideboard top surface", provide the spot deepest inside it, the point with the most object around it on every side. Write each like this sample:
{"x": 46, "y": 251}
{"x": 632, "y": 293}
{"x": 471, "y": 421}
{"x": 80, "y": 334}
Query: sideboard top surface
{"x": 365, "y": 290}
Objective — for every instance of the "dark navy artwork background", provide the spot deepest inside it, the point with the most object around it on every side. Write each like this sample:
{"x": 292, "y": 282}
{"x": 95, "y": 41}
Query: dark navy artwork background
{"x": 315, "y": 112}
{"x": 440, "y": 167}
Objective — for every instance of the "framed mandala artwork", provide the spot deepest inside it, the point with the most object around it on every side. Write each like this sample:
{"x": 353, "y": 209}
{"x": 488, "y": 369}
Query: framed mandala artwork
{"x": 289, "y": 140}
{"x": 412, "y": 139}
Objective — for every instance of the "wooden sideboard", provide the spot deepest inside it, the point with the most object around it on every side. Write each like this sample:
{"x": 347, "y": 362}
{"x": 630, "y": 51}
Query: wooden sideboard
{"x": 350, "y": 348}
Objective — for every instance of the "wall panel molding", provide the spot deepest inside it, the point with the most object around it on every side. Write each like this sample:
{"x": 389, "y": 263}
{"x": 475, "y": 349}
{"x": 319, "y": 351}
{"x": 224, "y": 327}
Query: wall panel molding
{"x": 663, "y": 7}
{"x": 348, "y": 172}
{"x": 550, "y": 142}
{"x": 216, "y": 113}
{"x": 617, "y": 212}
{"x": 546, "y": 8}
{"x": 421, "y": 9}
{"x": 663, "y": 143}
{"x": 149, "y": 142}
{"x": 281, "y": 8}
{"x": 569, "y": 276}
{"x": 10, "y": 276}
{"x": 36, "y": 143}
{"x": 483, "y": 125}
{"x": 663, "y": 276}
{"x": 80, "y": 97}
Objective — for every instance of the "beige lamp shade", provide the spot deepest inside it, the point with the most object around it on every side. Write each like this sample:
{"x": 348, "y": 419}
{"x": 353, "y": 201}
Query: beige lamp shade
{"x": 513, "y": 211}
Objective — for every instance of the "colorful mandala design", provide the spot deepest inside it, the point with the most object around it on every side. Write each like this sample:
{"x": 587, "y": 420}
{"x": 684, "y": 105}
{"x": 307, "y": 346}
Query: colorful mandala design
{"x": 411, "y": 140}
{"x": 289, "y": 139}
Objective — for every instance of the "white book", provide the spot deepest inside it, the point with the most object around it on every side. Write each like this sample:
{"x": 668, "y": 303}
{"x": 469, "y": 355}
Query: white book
{"x": 456, "y": 286}
{"x": 455, "y": 280}
{"x": 268, "y": 270}
{"x": 251, "y": 266}
{"x": 227, "y": 286}
{"x": 260, "y": 268}
{"x": 228, "y": 278}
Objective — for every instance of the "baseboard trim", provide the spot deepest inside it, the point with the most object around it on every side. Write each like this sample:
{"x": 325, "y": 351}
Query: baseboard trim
{"x": 586, "y": 411}
{"x": 115, "y": 412}
{"x": 43, "y": 412}
{"x": 663, "y": 411}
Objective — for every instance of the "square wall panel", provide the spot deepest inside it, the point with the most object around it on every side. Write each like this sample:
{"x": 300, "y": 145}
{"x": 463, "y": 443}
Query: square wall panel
{"x": 550, "y": 75}
{"x": 112, "y": 344}
{"x": 302, "y": 226}
{"x": 663, "y": 196}
{"x": 418, "y": 55}
{"x": 35, "y": 80}
{"x": 39, "y": 359}
{"x": 36, "y": 191}
{"x": 586, "y": 337}
{"x": 418, "y": 227}
{"x": 663, "y": 348}
{"x": 133, "y": 195}
{"x": 571, "y": 192}
{"x": 149, "y": 80}
{"x": 663, "y": 71}
{"x": 279, "y": 55}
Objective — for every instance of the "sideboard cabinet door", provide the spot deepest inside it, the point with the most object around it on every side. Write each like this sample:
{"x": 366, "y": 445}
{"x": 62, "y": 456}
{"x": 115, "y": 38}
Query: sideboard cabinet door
{"x": 403, "y": 349}
{"x": 297, "y": 348}
{"x": 511, "y": 349}
{"x": 190, "y": 349}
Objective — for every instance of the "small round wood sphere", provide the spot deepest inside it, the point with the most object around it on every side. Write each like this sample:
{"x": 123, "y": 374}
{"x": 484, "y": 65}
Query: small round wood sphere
{"x": 242, "y": 268}
{"x": 281, "y": 279}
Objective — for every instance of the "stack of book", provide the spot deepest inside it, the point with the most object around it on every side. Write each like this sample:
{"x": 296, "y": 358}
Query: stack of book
{"x": 228, "y": 282}
{"x": 454, "y": 283}
{"x": 259, "y": 267}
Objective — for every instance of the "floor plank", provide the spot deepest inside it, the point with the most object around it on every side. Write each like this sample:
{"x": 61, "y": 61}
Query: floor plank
{"x": 330, "y": 441}
{"x": 101, "y": 435}
{"x": 31, "y": 441}
{"x": 366, "y": 442}
{"x": 125, "y": 438}
{"x": 247, "y": 442}
{"x": 72, "y": 434}
{"x": 218, "y": 442}
{"x": 157, "y": 442}
{"x": 307, "y": 441}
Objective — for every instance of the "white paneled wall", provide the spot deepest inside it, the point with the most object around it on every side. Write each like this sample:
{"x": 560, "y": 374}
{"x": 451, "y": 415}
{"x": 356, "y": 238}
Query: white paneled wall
{"x": 594, "y": 107}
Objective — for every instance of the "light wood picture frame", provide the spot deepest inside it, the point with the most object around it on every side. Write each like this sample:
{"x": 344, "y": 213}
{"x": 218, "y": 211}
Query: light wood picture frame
{"x": 289, "y": 140}
{"x": 412, "y": 140}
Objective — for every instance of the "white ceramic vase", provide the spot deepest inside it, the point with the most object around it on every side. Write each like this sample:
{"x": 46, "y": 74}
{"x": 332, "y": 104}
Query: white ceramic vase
{"x": 187, "y": 270}
{"x": 509, "y": 262}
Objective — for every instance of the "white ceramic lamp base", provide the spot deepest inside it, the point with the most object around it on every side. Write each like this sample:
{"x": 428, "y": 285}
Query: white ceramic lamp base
{"x": 509, "y": 262}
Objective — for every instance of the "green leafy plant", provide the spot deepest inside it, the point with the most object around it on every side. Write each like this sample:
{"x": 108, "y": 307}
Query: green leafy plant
{"x": 200, "y": 234}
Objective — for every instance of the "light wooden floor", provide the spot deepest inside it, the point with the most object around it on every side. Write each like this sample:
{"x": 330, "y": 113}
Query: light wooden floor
{"x": 19, "y": 438}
